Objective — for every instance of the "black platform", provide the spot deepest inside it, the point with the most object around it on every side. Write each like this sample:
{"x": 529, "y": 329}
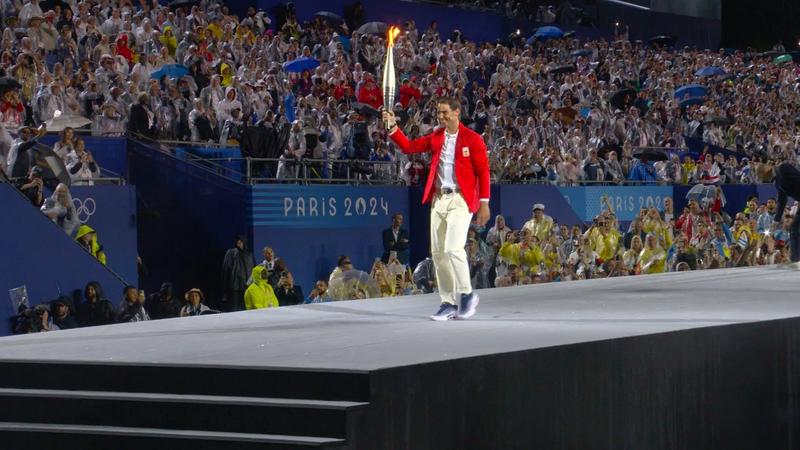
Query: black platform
{"x": 701, "y": 360}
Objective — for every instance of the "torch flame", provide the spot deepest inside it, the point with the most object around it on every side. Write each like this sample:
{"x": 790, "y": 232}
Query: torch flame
{"x": 392, "y": 34}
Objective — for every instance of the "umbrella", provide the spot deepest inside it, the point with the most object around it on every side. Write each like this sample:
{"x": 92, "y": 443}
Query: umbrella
{"x": 52, "y": 164}
{"x": 710, "y": 71}
{"x": 581, "y": 52}
{"x": 373, "y": 28}
{"x": 691, "y": 90}
{"x": 301, "y": 64}
{"x": 702, "y": 193}
{"x": 61, "y": 121}
{"x": 548, "y": 32}
{"x": 782, "y": 59}
{"x": 623, "y": 98}
{"x": 365, "y": 109}
{"x": 565, "y": 115}
{"x": 567, "y": 68}
{"x": 602, "y": 152}
{"x": 662, "y": 40}
{"x": 171, "y": 71}
{"x": 720, "y": 120}
{"x": 352, "y": 285}
{"x": 8, "y": 84}
{"x": 651, "y": 154}
{"x": 692, "y": 101}
{"x": 331, "y": 18}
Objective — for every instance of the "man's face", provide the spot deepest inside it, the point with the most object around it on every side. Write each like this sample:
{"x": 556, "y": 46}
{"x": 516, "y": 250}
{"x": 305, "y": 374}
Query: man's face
{"x": 446, "y": 116}
{"x": 321, "y": 286}
{"x": 538, "y": 214}
{"x": 61, "y": 310}
{"x": 131, "y": 295}
{"x": 771, "y": 205}
{"x": 240, "y": 244}
{"x": 397, "y": 220}
{"x": 268, "y": 254}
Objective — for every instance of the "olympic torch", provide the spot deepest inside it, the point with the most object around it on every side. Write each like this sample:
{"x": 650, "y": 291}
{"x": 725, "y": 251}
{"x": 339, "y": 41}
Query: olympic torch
{"x": 389, "y": 84}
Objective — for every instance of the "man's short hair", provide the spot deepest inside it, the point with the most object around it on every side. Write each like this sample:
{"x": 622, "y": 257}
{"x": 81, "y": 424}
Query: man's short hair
{"x": 452, "y": 102}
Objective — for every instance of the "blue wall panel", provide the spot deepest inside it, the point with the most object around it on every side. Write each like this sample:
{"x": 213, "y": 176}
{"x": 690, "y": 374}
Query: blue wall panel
{"x": 38, "y": 254}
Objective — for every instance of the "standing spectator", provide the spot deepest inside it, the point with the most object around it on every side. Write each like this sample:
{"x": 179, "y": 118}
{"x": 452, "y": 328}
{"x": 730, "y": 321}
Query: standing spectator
{"x": 163, "y": 304}
{"x": 20, "y": 157}
{"x": 287, "y": 292}
{"x": 319, "y": 294}
{"x": 395, "y": 239}
{"x": 140, "y": 120}
{"x": 652, "y": 258}
{"x": 60, "y": 209}
{"x": 540, "y": 224}
{"x": 643, "y": 171}
{"x": 194, "y": 303}
{"x": 131, "y": 309}
{"x": 96, "y": 309}
{"x": 236, "y": 268}
{"x": 64, "y": 145}
{"x": 81, "y": 165}
{"x": 61, "y": 311}
{"x": 260, "y": 294}
{"x": 87, "y": 238}
{"x": 33, "y": 187}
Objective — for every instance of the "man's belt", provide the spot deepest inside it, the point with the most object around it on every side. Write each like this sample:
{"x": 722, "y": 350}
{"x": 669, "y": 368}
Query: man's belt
{"x": 446, "y": 191}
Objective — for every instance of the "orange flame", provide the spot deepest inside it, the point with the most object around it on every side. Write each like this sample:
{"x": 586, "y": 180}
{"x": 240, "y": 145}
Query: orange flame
{"x": 392, "y": 35}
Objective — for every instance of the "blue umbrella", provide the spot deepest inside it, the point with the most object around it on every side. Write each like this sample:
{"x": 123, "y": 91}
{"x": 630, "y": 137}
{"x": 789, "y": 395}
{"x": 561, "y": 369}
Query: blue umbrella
{"x": 692, "y": 101}
{"x": 691, "y": 90}
{"x": 547, "y": 32}
{"x": 345, "y": 43}
{"x": 301, "y": 65}
{"x": 710, "y": 71}
{"x": 171, "y": 71}
{"x": 581, "y": 52}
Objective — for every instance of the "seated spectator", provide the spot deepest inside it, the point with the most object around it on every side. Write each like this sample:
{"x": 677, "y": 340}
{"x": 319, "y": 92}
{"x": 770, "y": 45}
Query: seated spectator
{"x": 96, "y": 309}
{"x": 194, "y": 303}
{"x": 163, "y": 304}
{"x": 232, "y": 128}
{"x": 652, "y": 258}
{"x": 131, "y": 309}
{"x": 424, "y": 276}
{"x": 61, "y": 310}
{"x": 87, "y": 238}
{"x": 319, "y": 294}
{"x": 260, "y": 294}
{"x": 60, "y": 209}
{"x": 287, "y": 292}
{"x": 383, "y": 278}
{"x": 343, "y": 264}
{"x": 33, "y": 186}
{"x": 109, "y": 122}
{"x": 35, "y": 320}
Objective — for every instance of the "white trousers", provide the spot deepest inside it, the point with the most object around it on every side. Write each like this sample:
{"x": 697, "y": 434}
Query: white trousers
{"x": 450, "y": 220}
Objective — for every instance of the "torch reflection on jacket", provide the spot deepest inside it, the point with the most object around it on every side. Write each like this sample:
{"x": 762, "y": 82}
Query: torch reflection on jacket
{"x": 389, "y": 84}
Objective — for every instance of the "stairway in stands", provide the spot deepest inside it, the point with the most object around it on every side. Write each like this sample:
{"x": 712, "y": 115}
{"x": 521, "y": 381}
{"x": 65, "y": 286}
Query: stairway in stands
{"x": 79, "y": 406}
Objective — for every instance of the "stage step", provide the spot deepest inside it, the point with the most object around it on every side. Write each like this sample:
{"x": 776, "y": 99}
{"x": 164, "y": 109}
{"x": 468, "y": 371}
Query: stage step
{"x": 43, "y": 436}
{"x": 178, "y": 412}
{"x": 189, "y": 380}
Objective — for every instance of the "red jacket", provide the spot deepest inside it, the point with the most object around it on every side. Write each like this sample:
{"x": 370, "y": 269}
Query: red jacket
{"x": 471, "y": 162}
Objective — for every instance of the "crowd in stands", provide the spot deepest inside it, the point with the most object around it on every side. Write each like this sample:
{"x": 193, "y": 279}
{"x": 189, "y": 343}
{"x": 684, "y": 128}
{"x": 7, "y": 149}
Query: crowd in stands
{"x": 542, "y": 107}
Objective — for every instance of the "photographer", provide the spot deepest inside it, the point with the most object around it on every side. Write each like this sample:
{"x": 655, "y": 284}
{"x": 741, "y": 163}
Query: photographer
{"x": 33, "y": 186}
{"x": 131, "y": 309}
{"x": 81, "y": 165}
{"x": 287, "y": 292}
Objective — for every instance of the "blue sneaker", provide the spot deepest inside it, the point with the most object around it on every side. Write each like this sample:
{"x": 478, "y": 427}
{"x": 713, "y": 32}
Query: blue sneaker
{"x": 446, "y": 312}
{"x": 469, "y": 304}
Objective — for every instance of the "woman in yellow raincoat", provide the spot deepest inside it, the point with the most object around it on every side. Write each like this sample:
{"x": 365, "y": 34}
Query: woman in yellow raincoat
{"x": 653, "y": 258}
{"x": 169, "y": 40}
{"x": 87, "y": 238}
{"x": 526, "y": 254}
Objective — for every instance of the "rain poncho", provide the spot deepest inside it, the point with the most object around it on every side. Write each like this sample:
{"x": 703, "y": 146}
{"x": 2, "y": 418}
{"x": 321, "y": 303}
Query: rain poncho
{"x": 169, "y": 40}
{"x": 260, "y": 294}
{"x": 62, "y": 213}
{"x": 94, "y": 248}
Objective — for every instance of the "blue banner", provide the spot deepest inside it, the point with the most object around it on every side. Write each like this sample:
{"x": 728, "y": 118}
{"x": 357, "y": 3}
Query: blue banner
{"x": 626, "y": 201}
{"x": 292, "y": 206}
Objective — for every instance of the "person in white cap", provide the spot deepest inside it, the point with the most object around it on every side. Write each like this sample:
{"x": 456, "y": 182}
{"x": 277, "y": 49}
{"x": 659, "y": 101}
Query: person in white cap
{"x": 540, "y": 224}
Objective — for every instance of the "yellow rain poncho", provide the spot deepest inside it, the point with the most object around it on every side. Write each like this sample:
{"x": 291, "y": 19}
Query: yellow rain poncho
{"x": 260, "y": 294}
{"x": 94, "y": 248}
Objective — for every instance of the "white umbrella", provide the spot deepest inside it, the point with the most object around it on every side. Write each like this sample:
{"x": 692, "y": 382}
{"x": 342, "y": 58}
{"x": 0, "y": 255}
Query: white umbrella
{"x": 61, "y": 121}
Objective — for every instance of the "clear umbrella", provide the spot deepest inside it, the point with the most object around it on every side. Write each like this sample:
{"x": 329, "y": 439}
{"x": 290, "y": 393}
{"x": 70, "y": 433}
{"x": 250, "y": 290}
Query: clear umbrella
{"x": 353, "y": 285}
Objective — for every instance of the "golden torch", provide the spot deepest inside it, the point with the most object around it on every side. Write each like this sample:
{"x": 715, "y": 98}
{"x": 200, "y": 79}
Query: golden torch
{"x": 389, "y": 84}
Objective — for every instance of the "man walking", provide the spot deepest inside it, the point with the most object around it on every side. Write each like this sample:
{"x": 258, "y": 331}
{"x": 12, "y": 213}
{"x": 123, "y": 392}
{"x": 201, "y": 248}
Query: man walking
{"x": 458, "y": 187}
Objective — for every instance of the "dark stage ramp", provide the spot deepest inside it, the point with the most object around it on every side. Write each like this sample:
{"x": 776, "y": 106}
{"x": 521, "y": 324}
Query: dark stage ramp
{"x": 698, "y": 360}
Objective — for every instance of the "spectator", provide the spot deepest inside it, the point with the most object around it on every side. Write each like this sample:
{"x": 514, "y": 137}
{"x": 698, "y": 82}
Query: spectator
{"x": 319, "y": 294}
{"x": 81, "y": 165}
{"x": 141, "y": 118}
{"x": 652, "y": 258}
{"x": 87, "y": 238}
{"x": 60, "y": 209}
{"x": 236, "y": 268}
{"x": 20, "y": 157}
{"x": 287, "y": 292}
{"x": 33, "y": 186}
{"x": 96, "y": 309}
{"x": 343, "y": 264}
{"x": 163, "y": 304}
{"x": 260, "y": 294}
{"x": 194, "y": 303}
{"x": 643, "y": 171}
{"x": 131, "y": 309}
{"x": 35, "y": 320}
{"x": 64, "y": 145}
{"x": 395, "y": 238}
{"x": 540, "y": 224}
{"x": 62, "y": 310}
{"x": 424, "y": 276}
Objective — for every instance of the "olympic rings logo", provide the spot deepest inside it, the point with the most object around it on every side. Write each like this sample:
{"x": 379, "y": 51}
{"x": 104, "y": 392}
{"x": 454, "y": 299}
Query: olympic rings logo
{"x": 84, "y": 208}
